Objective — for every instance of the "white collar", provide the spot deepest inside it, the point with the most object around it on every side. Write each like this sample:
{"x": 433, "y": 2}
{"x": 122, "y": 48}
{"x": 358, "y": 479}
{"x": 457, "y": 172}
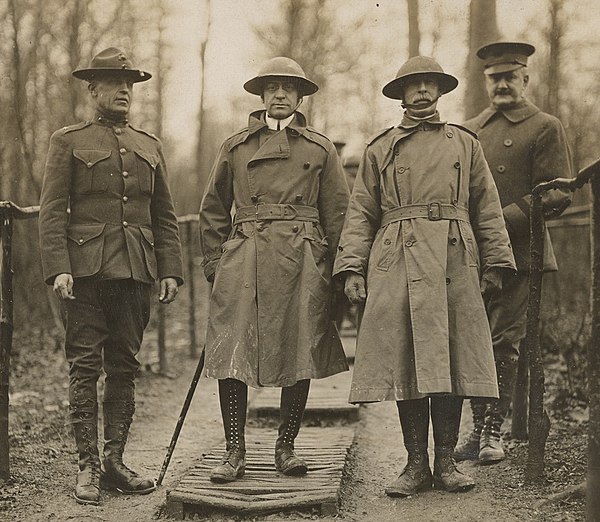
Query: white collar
{"x": 273, "y": 124}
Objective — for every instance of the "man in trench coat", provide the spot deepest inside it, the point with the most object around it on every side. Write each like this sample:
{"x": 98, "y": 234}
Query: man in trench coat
{"x": 523, "y": 146}
{"x": 424, "y": 221}
{"x": 270, "y": 316}
{"x": 107, "y": 231}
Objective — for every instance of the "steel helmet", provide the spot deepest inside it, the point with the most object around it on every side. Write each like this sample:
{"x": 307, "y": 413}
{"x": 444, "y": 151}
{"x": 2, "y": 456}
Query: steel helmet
{"x": 416, "y": 66}
{"x": 281, "y": 67}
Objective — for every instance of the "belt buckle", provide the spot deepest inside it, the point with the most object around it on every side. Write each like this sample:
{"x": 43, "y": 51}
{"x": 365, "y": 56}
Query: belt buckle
{"x": 434, "y": 211}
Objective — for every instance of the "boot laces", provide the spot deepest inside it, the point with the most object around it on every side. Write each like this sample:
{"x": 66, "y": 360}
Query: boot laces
{"x": 489, "y": 436}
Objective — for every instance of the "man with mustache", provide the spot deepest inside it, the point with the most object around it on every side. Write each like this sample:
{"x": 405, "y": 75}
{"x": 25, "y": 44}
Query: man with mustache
{"x": 107, "y": 231}
{"x": 270, "y": 318}
{"x": 423, "y": 222}
{"x": 523, "y": 146}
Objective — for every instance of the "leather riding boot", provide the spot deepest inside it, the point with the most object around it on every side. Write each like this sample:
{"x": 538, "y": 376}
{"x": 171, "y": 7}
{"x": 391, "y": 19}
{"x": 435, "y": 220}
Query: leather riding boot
{"x": 291, "y": 411}
{"x": 468, "y": 449}
{"x": 233, "y": 397}
{"x": 416, "y": 475}
{"x": 445, "y": 416}
{"x": 119, "y": 407}
{"x": 491, "y": 449}
{"x": 84, "y": 419}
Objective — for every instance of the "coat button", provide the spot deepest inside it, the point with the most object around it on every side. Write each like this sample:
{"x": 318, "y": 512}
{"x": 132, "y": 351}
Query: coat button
{"x": 396, "y": 151}
{"x": 125, "y": 199}
{"x": 118, "y": 131}
{"x": 125, "y": 174}
{"x": 299, "y": 197}
{"x": 387, "y": 242}
{"x": 89, "y": 164}
{"x": 501, "y": 168}
{"x": 295, "y": 228}
{"x": 125, "y": 224}
{"x": 508, "y": 142}
{"x": 448, "y": 280}
{"x": 254, "y": 199}
{"x": 453, "y": 241}
{"x": 457, "y": 165}
{"x": 80, "y": 240}
{"x": 401, "y": 170}
{"x": 260, "y": 227}
{"x": 307, "y": 165}
{"x": 449, "y": 134}
{"x": 409, "y": 243}
{"x": 122, "y": 150}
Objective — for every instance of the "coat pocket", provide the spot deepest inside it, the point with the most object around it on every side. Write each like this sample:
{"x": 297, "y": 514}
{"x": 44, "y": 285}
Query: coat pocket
{"x": 146, "y": 170}
{"x": 319, "y": 248}
{"x": 91, "y": 174}
{"x": 85, "y": 244}
{"x": 387, "y": 246}
{"x": 466, "y": 233}
{"x": 149, "y": 253}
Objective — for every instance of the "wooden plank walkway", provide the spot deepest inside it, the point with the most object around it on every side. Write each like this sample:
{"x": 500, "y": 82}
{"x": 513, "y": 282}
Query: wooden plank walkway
{"x": 262, "y": 489}
{"x": 328, "y": 399}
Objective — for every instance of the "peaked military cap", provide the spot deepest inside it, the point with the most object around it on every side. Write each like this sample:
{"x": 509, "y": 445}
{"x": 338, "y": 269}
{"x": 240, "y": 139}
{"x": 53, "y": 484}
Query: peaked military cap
{"x": 281, "y": 67}
{"x": 112, "y": 62}
{"x": 501, "y": 57}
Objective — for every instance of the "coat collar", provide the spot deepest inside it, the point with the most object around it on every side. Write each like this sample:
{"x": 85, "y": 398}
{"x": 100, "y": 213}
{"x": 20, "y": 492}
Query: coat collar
{"x": 256, "y": 122}
{"x": 517, "y": 114}
{"x": 411, "y": 123}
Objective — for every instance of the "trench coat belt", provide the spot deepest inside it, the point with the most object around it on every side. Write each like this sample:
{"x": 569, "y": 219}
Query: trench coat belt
{"x": 431, "y": 211}
{"x": 276, "y": 212}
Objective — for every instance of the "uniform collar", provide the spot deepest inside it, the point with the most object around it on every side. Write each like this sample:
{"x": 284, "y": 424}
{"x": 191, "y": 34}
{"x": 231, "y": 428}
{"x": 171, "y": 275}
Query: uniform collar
{"x": 256, "y": 122}
{"x": 409, "y": 122}
{"x": 525, "y": 109}
{"x": 277, "y": 125}
{"x": 110, "y": 120}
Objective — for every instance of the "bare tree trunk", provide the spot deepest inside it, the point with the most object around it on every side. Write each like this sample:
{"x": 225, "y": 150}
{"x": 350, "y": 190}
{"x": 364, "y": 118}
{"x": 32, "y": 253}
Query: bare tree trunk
{"x": 593, "y": 377}
{"x": 483, "y": 29}
{"x": 200, "y": 148}
{"x": 414, "y": 33}
{"x": 555, "y": 33}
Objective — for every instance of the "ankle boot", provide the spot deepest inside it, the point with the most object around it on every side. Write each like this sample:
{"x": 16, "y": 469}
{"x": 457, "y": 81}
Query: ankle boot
{"x": 491, "y": 449}
{"x": 85, "y": 429}
{"x": 118, "y": 415}
{"x": 233, "y": 397}
{"x": 468, "y": 449}
{"x": 293, "y": 403}
{"x": 445, "y": 415}
{"x": 416, "y": 475}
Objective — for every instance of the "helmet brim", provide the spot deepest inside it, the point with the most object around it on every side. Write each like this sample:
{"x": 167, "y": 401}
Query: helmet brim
{"x": 256, "y": 85}
{"x": 135, "y": 75}
{"x": 394, "y": 89}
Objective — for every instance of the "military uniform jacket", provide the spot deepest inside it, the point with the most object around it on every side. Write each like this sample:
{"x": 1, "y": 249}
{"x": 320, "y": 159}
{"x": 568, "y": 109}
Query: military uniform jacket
{"x": 106, "y": 210}
{"x": 523, "y": 147}
{"x": 270, "y": 314}
{"x": 424, "y": 328}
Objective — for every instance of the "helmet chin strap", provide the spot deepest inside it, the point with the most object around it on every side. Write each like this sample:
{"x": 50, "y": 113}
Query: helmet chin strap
{"x": 420, "y": 105}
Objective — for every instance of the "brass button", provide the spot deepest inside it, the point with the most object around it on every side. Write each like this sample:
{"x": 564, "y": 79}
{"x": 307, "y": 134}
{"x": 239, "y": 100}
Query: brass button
{"x": 453, "y": 241}
{"x": 125, "y": 174}
{"x": 449, "y": 134}
{"x": 125, "y": 224}
{"x": 409, "y": 243}
{"x": 81, "y": 240}
{"x": 457, "y": 165}
{"x": 247, "y": 285}
{"x": 125, "y": 199}
{"x": 501, "y": 168}
{"x": 448, "y": 280}
{"x": 307, "y": 166}
{"x": 260, "y": 227}
{"x": 254, "y": 199}
{"x": 89, "y": 163}
{"x": 341, "y": 248}
{"x": 401, "y": 170}
{"x": 118, "y": 131}
{"x": 508, "y": 142}
{"x": 387, "y": 242}
{"x": 295, "y": 228}
{"x": 122, "y": 150}
{"x": 299, "y": 197}
{"x": 455, "y": 201}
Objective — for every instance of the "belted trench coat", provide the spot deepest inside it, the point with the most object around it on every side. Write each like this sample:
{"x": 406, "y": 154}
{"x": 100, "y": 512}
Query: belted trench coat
{"x": 424, "y": 328}
{"x": 270, "y": 314}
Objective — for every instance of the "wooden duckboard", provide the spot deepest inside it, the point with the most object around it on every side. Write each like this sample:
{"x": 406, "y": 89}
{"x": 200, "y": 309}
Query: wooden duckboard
{"x": 262, "y": 489}
{"x": 328, "y": 398}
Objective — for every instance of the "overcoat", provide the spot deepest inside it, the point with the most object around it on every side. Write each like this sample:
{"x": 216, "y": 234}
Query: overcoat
{"x": 424, "y": 218}
{"x": 106, "y": 210}
{"x": 523, "y": 147}
{"x": 270, "y": 315}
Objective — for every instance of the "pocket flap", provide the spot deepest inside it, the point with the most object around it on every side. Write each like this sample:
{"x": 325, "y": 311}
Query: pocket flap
{"x": 81, "y": 234}
{"x": 91, "y": 157}
{"x": 152, "y": 159}
{"x": 148, "y": 235}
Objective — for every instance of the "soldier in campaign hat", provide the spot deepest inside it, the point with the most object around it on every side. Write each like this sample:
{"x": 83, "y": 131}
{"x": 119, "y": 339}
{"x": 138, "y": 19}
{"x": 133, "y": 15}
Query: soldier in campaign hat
{"x": 424, "y": 221}
{"x": 107, "y": 231}
{"x": 270, "y": 318}
{"x": 523, "y": 146}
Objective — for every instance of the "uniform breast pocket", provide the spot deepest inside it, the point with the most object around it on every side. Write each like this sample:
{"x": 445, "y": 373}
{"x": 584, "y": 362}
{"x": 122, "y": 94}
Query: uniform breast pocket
{"x": 92, "y": 171}
{"x": 146, "y": 164}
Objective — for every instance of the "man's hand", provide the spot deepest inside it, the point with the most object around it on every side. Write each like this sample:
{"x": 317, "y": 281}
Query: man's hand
{"x": 355, "y": 288}
{"x": 491, "y": 282}
{"x": 168, "y": 290}
{"x": 63, "y": 286}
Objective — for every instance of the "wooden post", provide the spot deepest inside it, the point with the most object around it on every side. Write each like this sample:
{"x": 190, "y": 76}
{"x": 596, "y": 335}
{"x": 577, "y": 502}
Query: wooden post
{"x": 593, "y": 377}
{"x": 539, "y": 421}
{"x": 6, "y": 329}
{"x": 190, "y": 283}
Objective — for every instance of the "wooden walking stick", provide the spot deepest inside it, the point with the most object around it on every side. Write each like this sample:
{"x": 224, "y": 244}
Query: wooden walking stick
{"x": 182, "y": 415}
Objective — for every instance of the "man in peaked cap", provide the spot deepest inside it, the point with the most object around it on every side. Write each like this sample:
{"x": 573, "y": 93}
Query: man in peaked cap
{"x": 270, "y": 317}
{"x": 107, "y": 231}
{"x": 424, "y": 221}
{"x": 523, "y": 146}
